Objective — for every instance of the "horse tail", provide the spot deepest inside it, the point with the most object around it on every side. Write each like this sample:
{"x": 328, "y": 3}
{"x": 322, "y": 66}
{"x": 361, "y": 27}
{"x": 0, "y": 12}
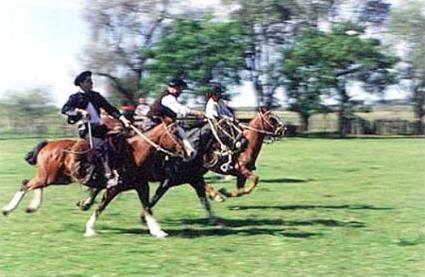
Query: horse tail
{"x": 31, "y": 156}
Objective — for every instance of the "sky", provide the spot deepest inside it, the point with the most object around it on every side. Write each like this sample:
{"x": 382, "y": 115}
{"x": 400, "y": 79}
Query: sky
{"x": 42, "y": 41}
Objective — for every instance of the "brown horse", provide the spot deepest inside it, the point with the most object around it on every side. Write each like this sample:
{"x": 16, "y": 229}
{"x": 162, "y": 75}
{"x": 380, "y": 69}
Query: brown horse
{"x": 264, "y": 124}
{"x": 56, "y": 160}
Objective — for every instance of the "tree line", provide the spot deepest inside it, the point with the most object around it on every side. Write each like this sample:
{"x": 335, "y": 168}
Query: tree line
{"x": 310, "y": 49}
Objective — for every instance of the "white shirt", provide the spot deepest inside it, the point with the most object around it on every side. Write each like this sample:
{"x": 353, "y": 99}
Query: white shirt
{"x": 217, "y": 110}
{"x": 94, "y": 116}
{"x": 170, "y": 101}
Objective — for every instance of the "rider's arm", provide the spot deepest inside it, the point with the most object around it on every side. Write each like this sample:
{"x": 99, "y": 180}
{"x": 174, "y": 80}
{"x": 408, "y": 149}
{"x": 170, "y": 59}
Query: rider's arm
{"x": 170, "y": 102}
{"x": 104, "y": 104}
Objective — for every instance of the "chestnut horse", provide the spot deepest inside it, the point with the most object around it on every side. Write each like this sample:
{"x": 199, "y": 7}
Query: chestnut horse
{"x": 265, "y": 124}
{"x": 56, "y": 160}
{"x": 179, "y": 172}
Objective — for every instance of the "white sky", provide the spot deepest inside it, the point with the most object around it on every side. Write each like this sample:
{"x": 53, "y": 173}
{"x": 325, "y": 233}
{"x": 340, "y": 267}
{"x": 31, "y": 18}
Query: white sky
{"x": 41, "y": 42}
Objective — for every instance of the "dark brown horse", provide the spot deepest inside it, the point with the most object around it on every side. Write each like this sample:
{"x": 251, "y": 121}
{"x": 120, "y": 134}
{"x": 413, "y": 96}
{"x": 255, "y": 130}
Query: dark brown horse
{"x": 178, "y": 172}
{"x": 56, "y": 161}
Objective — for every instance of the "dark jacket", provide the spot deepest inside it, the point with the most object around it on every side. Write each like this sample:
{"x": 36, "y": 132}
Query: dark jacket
{"x": 157, "y": 110}
{"x": 80, "y": 100}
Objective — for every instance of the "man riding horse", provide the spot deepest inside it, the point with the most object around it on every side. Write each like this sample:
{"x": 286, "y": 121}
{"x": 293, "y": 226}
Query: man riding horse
{"x": 83, "y": 108}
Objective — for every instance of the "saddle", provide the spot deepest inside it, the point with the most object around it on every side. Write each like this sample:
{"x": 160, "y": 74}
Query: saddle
{"x": 88, "y": 166}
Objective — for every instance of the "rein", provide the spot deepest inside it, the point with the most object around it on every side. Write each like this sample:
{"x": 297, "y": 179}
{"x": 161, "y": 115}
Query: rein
{"x": 262, "y": 130}
{"x": 153, "y": 144}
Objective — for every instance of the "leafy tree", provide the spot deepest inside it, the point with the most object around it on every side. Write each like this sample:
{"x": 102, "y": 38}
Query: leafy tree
{"x": 201, "y": 51}
{"x": 122, "y": 34}
{"x": 323, "y": 63}
{"x": 408, "y": 23}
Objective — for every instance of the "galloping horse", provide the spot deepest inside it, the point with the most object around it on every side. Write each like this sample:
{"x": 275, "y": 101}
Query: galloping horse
{"x": 169, "y": 173}
{"x": 56, "y": 161}
{"x": 177, "y": 172}
{"x": 264, "y": 124}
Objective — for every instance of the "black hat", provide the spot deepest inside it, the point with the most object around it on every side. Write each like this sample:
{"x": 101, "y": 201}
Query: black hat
{"x": 217, "y": 89}
{"x": 178, "y": 82}
{"x": 81, "y": 77}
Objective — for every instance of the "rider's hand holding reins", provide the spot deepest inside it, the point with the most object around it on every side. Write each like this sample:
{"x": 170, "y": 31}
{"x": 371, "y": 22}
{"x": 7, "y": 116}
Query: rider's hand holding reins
{"x": 125, "y": 121}
{"x": 84, "y": 113}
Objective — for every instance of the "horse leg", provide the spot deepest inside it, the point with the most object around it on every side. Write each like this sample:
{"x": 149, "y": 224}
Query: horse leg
{"x": 88, "y": 202}
{"x": 108, "y": 196}
{"x": 213, "y": 194}
{"x": 162, "y": 188}
{"x": 240, "y": 184}
{"x": 199, "y": 186}
{"x": 154, "y": 228}
{"x": 36, "y": 201}
{"x": 19, "y": 195}
{"x": 35, "y": 183}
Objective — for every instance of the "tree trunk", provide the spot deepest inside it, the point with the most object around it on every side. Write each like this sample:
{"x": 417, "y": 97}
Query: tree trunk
{"x": 304, "y": 122}
{"x": 343, "y": 120}
{"x": 419, "y": 107}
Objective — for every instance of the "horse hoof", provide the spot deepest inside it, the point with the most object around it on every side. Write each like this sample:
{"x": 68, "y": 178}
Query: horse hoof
{"x": 5, "y": 213}
{"x": 160, "y": 234}
{"x": 218, "y": 198}
{"x": 30, "y": 210}
{"x": 85, "y": 207}
{"x": 89, "y": 233}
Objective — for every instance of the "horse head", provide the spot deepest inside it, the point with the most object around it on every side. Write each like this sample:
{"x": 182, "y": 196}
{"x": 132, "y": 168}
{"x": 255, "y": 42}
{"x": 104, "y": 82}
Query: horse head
{"x": 171, "y": 140}
{"x": 270, "y": 123}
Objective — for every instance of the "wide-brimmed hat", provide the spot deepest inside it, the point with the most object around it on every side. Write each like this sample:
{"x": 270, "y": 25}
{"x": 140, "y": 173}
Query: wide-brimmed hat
{"x": 81, "y": 77}
{"x": 178, "y": 83}
{"x": 217, "y": 89}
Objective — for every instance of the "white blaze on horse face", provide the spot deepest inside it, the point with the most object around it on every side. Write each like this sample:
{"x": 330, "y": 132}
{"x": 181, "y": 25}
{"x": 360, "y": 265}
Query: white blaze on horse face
{"x": 90, "y": 226}
{"x": 36, "y": 200}
{"x": 14, "y": 202}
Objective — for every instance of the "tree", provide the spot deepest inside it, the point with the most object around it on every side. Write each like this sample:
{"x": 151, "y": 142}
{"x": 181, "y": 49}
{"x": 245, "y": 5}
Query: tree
{"x": 201, "y": 51}
{"x": 411, "y": 29}
{"x": 324, "y": 63}
{"x": 122, "y": 34}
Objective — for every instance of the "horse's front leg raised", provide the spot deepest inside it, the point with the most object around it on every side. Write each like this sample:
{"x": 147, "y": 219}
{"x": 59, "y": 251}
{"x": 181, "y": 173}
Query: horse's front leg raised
{"x": 108, "y": 196}
{"x": 154, "y": 228}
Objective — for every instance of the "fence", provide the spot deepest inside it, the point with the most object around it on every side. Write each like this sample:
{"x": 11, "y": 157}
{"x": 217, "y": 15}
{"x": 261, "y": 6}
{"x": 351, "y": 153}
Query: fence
{"x": 56, "y": 126}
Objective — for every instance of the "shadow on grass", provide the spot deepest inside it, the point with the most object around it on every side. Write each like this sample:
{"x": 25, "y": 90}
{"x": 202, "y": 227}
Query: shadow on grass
{"x": 217, "y": 178}
{"x": 308, "y": 207}
{"x": 244, "y": 227}
{"x": 285, "y": 180}
{"x": 235, "y": 223}
{"x": 214, "y": 231}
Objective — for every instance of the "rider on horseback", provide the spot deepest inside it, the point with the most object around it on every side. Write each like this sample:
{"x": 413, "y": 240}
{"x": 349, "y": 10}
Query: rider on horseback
{"x": 84, "y": 107}
{"x": 167, "y": 104}
{"x": 224, "y": 125}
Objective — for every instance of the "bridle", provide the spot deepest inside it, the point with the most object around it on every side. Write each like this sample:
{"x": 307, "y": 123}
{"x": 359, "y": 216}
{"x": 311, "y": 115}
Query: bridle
{"x": 157, "y": 146}
{"x": 265, "y": 122}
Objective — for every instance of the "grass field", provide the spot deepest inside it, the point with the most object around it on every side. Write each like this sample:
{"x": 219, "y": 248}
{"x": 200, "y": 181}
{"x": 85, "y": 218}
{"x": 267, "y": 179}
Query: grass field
{"x": 351, "y": 207}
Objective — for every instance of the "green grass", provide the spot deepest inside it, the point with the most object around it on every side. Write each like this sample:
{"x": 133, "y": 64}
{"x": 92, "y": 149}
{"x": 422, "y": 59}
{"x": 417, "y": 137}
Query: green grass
{"x": 351, "y": 207}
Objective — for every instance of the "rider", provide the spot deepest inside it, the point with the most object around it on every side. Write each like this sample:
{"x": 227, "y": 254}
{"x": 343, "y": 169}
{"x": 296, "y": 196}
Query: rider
{"x": 216, "y": 108}
{"x": 167, "y": 104}
{"x": 84, "y": 107}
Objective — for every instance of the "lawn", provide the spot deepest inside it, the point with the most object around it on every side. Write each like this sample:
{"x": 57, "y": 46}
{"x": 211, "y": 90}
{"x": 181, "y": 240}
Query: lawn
{"x": 352, "y": 207}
